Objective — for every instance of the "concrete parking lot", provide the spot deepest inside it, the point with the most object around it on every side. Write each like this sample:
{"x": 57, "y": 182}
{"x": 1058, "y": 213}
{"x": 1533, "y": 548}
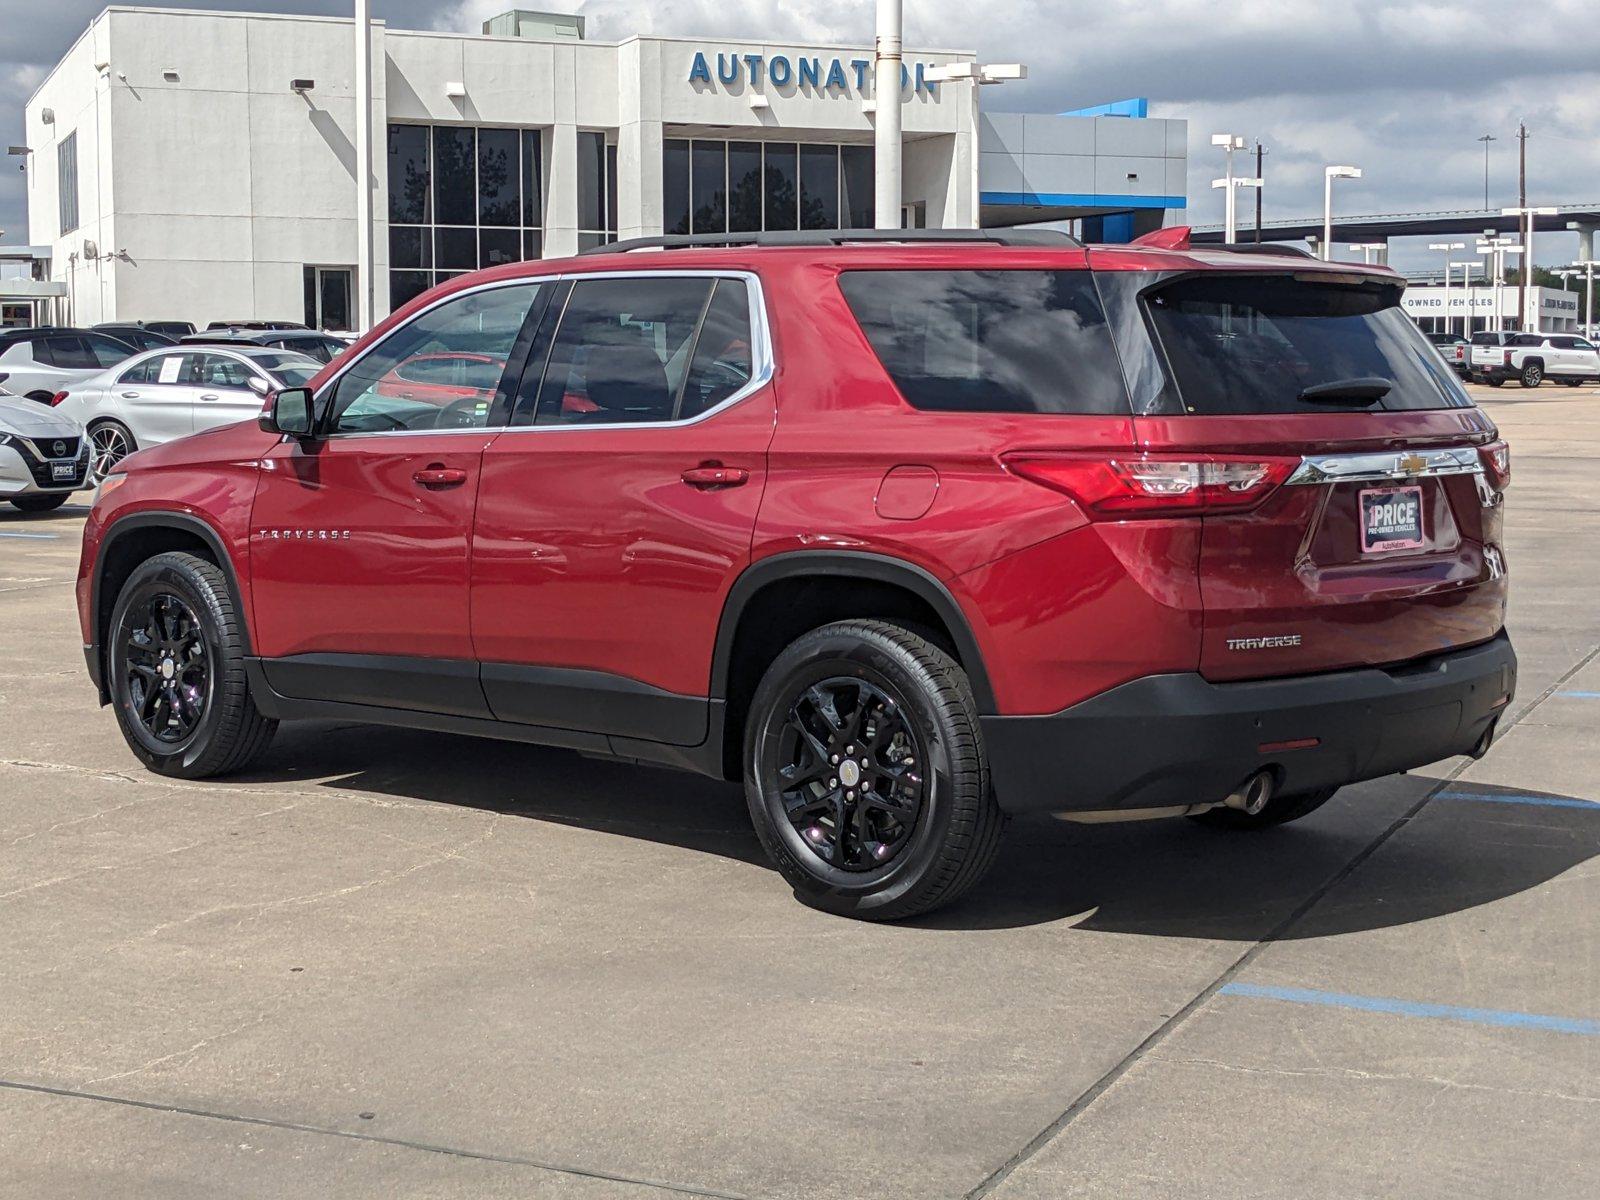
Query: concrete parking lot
{"x": 403, "y": 964}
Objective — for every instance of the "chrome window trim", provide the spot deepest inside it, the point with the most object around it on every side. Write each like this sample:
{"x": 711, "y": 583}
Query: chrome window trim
{"x": 1388, "y": 465}
{"x": 764, "y": 366}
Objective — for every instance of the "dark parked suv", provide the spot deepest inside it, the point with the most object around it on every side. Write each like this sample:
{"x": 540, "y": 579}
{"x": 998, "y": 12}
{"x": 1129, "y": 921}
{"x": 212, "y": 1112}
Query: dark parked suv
{"x": 905, "y": 532}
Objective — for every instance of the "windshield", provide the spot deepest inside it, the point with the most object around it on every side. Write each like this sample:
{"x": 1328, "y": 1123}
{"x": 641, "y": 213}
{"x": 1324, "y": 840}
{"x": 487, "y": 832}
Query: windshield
{"x": 1254, "y": 344}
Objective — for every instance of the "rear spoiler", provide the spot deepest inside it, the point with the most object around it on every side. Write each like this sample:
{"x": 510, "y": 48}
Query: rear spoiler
{"x": 1176, "y": 237}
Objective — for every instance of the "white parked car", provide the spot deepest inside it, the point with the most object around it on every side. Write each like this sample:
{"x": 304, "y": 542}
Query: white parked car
{"x": 44, "y": 456}
{"x": 37, "y": 363}
{"x": 172, "y": 392}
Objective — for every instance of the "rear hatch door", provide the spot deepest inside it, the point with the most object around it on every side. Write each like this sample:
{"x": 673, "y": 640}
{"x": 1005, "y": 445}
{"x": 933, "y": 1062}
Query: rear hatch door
{"x": 1380, "y": 543}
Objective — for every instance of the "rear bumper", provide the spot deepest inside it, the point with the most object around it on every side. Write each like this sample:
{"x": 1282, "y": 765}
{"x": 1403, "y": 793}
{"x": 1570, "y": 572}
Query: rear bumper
{"x": 1169, "y": 740}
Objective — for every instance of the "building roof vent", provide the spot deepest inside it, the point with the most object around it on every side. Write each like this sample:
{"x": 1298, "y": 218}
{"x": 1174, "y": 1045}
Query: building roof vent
{"x": 540, "y": 26}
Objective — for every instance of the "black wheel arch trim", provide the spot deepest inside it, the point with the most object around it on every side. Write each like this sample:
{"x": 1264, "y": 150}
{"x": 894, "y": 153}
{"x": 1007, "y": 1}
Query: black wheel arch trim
{"x": 120, "y": 528}
{"x": 858, "y": 564}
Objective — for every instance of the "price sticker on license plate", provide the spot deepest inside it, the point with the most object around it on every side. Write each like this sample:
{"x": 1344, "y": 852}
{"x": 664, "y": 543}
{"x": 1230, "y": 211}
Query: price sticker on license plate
{"x": 1391, "y": 519}
{"x": 64, "y": 470}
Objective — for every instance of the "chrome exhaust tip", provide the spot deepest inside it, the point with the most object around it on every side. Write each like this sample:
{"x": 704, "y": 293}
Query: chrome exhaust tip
{"x": 1252, "y": 795}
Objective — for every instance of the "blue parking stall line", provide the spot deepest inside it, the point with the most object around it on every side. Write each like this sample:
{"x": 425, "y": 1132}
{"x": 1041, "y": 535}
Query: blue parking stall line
{"x": 1411, "y": 1008}
{"x": 1580, "y": 695}
{"x": 8, "y": 533}
{"x": 1512, "y": 798}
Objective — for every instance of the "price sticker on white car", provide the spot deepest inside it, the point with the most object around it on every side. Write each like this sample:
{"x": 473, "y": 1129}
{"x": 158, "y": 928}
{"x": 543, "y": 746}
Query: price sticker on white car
{"x": 1391, "y": 519}
{"x": 64, "y": 470}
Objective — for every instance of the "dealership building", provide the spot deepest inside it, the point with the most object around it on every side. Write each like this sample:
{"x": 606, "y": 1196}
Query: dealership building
{"x": 202, "y": 165}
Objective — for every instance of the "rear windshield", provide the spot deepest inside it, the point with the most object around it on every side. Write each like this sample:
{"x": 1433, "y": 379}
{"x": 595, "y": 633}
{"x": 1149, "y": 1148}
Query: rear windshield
{"x": 1255, "y": 344}
{"x": 990, "y": 341}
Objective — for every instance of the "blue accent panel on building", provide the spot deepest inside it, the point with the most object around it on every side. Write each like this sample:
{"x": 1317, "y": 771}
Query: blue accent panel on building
{"x": 1082, "y": 200}
{"x": 1117, "y": 108}
{"x": 1116, "y": 228}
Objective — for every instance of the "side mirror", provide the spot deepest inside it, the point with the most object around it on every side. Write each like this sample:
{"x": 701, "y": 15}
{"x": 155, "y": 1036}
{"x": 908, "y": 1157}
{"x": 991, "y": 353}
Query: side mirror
{"x": 289, "y": 412}
{"x": 258, "y": 385}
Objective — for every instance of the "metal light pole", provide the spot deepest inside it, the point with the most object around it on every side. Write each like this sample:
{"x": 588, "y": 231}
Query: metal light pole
{"x": 1329, "y": 174}
{"x": 1529, "y": 289}
{"x": 1496, "y": 249}
{"x": 1367, "y": 249}
{"x": 1466, "y": 297}
{"x": 364, "y": 258}
{"x": 886, "y": 101}
{"x": 1486, "y": 139}
{"x": 1229, "y": 142}
{"x": 1586, "y": 266}
{"x": 1447, "y": 247}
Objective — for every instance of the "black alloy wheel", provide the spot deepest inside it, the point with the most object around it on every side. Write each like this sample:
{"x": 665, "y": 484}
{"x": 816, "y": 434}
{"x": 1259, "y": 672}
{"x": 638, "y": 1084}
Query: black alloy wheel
{"x": 174, "y": 659}
{"x": 846, "y": 771}
{"x": 865, "y": 772}
{"x": 1532, "y": 375}
{"x": 168, "y": 672}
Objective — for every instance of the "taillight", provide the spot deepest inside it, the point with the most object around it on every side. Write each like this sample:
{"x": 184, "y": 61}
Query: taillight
{"x": 1146, "y": 485}
{"x": 1496, "y": 458}
{"x": 57, "y": 399}
{"x": 1506, "y": 358}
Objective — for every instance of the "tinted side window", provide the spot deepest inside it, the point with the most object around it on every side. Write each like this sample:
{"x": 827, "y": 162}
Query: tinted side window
{"x": 144, "y": 372}
{"x": 106, "y": 352}
{"x": 622, "y": 351}
{"x": 1563, "y": 343}
{"x": 373, "y": 396}
{"x": 991, "y": 341}
{"x": 70, "y": 351}
{"x": 216, "y": 371}
{"x": 723, "y": 359}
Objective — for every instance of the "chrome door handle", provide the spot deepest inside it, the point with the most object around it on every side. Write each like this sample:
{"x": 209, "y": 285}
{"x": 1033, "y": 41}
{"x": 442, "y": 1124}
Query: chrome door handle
{"x": 130, "y": 395}
{"x": 209, "y": 396}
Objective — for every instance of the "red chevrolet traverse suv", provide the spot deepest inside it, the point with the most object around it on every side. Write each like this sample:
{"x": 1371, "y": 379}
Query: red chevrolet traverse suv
{"x": 906, "y": 532}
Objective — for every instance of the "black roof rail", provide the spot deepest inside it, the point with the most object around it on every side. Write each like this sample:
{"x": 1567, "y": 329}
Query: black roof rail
{"x": 1043, "y": 239}
{"x": 1259, "y": 248}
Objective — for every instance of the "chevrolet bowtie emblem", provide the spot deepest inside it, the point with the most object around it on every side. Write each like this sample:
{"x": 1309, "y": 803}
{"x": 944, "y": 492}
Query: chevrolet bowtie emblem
{"x": 1410, "y": 464}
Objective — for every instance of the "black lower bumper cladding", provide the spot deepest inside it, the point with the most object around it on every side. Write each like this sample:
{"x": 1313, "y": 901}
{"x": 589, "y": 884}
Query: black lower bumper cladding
{"x": 1179, "y": 739}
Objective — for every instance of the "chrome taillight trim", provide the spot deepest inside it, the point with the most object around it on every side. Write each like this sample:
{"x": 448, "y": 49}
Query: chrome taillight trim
{"x": 1390, "y": 464}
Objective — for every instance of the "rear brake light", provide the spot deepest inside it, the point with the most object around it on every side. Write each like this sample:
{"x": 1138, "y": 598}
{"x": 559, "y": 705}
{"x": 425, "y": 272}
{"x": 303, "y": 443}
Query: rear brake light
{"x": 1154, "y": 485}
{"x": 1496, "y": 458}
{"x": 57, "y": 399}
{"x": 1506, "y": 357}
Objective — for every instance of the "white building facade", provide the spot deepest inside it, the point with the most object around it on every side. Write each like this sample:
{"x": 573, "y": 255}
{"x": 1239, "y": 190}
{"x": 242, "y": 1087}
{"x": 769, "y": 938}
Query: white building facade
{"x": 1487, "y": 307}
{"x": 201, "y": 166}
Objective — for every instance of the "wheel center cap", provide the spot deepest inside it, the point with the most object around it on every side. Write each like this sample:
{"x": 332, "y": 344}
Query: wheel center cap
{"x": 849, "y": 773}
{"x": 168, "y": 668}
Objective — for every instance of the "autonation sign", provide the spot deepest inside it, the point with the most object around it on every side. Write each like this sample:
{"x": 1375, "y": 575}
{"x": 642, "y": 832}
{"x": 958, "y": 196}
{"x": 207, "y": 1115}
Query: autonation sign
{"x": 813, "y": 72}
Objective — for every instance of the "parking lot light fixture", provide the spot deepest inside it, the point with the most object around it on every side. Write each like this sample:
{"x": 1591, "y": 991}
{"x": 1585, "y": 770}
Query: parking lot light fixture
{"x": 1447, "y": 247}
{"x": 1368, "y": 249}
{"x": 1526, "y": 215}
{"x": 1229, "y": 143}
{"x": 1329, "y": 174}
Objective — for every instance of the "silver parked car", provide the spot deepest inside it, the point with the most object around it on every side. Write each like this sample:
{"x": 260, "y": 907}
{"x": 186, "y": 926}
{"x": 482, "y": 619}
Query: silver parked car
{"x": 44, "y": 456}
{"x": 172, "y": 392}
{"x": 38, "y": 363}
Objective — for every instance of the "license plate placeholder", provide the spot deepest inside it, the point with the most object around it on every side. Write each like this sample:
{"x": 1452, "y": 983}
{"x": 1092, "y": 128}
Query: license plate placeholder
{"x": 1391, "y": 519}
{"x": 63, "y": 470}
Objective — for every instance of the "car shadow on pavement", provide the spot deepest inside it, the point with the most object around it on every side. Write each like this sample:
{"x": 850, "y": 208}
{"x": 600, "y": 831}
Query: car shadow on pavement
{"x": 1166, "y": 878}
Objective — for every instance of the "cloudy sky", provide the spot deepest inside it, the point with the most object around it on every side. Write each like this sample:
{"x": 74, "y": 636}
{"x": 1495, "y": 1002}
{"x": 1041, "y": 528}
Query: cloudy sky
{"x": 1402, "y": 88}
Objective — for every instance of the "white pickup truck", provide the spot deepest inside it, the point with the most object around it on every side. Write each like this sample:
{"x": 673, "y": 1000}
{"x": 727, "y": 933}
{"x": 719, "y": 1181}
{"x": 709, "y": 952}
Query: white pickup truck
{"x": 1531, "y": 358}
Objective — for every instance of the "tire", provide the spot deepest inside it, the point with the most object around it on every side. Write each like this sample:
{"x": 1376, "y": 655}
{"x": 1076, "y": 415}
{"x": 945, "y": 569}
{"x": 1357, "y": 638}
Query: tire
{"x": 932, "y": 828}
{"x": 1494, "y": 382}
{"x": 41, "y": 397}
{"x": 109, "y": 443}
{"x": 1573, "y": 382}
{"x": 1532, "y": 375}
{"x": 39, "y": 502}
{"x": 1280, "y": 810}
{"x": 175, "y": 630}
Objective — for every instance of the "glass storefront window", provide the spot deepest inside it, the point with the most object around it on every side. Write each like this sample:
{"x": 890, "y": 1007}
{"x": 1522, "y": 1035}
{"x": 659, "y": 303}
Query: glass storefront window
{"x": 461, "y": 198}
{"x": 713, "y": 186}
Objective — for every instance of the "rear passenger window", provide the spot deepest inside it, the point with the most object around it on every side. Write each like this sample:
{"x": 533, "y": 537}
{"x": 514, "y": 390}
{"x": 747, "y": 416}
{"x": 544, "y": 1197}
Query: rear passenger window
{"x": 991, "y": 341}
{"x": 640, "y": 350}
